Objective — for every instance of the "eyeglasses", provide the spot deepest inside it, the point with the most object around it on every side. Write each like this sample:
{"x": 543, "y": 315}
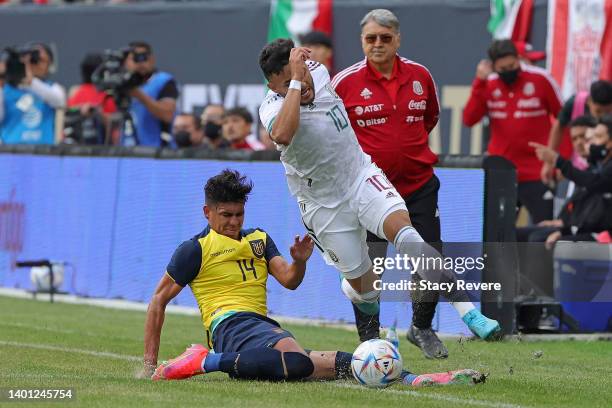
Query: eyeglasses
{"x": 384, "y": 38}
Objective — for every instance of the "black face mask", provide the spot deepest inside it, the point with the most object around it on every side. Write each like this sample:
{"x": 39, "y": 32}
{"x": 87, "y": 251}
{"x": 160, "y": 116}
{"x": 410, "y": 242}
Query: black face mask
{"x": 597, "y": 153}
{"x": 212, "y": 130}
{"x": 182, "y": 138}
{"x": 509, "y": 77}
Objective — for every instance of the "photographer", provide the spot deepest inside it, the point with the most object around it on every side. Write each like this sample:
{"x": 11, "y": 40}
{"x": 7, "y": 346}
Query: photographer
{"x": 153, "y": 103}
{"x": 28, "y": 100}
{"x": 89, "y": 109}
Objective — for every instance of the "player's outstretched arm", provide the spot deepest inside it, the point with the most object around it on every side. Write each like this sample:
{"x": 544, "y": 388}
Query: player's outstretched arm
{"x": 288, "y": 119}
{"x": 291, "y": 275}
{"x": 166, "y": 290}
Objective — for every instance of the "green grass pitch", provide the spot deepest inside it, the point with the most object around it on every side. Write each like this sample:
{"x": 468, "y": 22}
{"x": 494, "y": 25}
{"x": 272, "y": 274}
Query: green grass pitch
{"x": 46, "y": 345}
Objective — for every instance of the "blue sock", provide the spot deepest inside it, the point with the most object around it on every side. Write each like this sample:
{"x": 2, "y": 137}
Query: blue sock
{"x": 211, "y": 362}
{"x": 408, "y": 377}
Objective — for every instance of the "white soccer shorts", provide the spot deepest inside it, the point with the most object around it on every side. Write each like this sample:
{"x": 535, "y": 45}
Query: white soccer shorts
{"x": 340, "y": 232}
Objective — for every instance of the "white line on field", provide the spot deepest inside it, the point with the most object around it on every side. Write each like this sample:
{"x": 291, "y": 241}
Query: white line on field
{"x": 439, "y": 397}
{"x": 71, "y": 350}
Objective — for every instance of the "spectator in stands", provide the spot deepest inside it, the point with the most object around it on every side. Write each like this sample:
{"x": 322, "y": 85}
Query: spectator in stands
{"x": 90, "y": 104}
{"x": 154, "y": 103}
{"x": 519, "y": 100}
{"x": 238, "y": 130}
{"x": 596, "y": 103}
{"x": 212, "y": 121}
{"x": 581, "y": 130}
{"x": 187, "y": 131}
{"x": 28, "y": 100}
{"x": 320, "y": 46}
{"x": 527, "y": 54}
{"x": 392, "y": 105}
{"x": 589, "y": 210}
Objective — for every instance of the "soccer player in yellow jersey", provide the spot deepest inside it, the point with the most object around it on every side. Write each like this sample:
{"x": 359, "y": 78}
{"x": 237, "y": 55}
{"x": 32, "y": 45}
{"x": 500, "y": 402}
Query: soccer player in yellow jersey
{"x": 227, "y": 268}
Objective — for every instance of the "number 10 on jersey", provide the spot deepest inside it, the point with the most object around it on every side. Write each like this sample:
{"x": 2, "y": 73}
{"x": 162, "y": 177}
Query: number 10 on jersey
{"x": 338, "y": 117}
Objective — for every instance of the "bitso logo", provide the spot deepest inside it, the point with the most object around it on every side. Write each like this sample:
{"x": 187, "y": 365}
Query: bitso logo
{"x": 359, "y": 110}
{"x": 417, "y": 87}
{"x": 361, "y": 123}
{"x": 366, "y": 93}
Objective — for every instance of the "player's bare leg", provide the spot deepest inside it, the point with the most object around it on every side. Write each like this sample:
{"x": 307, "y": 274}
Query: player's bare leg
{"x": 407, "y": 241}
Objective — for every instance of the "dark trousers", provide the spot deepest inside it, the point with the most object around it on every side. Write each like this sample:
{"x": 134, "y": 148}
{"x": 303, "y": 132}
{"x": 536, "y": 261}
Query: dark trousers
{"x": 537, "y": 198}
{"x": 423, "y": 208}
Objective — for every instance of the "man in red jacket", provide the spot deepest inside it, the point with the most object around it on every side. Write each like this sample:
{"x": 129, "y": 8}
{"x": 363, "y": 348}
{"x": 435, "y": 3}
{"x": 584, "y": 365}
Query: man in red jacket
{"x": 520, "y": 101}
{"x": 392, "y": 105}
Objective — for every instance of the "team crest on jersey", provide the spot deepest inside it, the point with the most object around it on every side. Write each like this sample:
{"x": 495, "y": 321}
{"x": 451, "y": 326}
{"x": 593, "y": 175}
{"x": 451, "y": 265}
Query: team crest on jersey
{"x": 333, "y": 256}
{"x": 497, "y": 93}
{"x": 366, "y": 93}
{"x": 529, "y": 89}
{"x": 417, "y": 87}
{"x": 258, "y": 247}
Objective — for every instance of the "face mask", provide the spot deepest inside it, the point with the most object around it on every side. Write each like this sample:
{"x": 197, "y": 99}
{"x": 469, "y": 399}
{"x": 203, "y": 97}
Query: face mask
{"x": 597, "y": 153}
{"x": 212, "y": 130}
{"x": 509, "y": 77}
{"x": 182, "y": 139}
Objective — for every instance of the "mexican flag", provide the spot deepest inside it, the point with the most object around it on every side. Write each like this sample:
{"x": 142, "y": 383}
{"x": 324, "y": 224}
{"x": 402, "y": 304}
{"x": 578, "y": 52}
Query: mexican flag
{"x": 579, "y": 47}
{"x": 510, "y": 19}
{"x": 292, "y": 18}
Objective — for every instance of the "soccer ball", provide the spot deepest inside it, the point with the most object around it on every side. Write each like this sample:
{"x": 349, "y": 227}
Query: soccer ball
{"x": 41, "y": 277}
{"x": 376, "y": 363}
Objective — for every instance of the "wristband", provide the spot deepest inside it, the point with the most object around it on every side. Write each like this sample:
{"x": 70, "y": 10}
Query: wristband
{"x": 295, "y": 84}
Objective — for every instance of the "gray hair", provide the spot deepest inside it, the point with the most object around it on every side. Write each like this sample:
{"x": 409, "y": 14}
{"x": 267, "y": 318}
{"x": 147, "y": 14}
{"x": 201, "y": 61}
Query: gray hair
{"x": 382, "y": 17}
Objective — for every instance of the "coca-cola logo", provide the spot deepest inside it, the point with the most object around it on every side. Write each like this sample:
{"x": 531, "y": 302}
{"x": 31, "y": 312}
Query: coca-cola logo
{"x": 417, "y": 105}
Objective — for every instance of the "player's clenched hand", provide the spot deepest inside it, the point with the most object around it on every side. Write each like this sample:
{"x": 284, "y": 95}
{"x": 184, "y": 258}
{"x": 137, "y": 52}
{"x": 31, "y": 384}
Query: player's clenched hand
{"x": 302, "y": 248}
{"x": 297, "y": 62}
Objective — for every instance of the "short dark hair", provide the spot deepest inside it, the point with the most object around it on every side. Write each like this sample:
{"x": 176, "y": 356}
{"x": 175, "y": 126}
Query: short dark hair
{"x": 316, "y": 38}
{"x": 502, "y": 48}
{"x": 274, "y": 56}
{"x": 141, "y": 44}
{"x": 584, "y": 120}
{"x": 601, "y": 92}
{"x": 196, "y": 119}
{"x": 229, "y": 186}
{"x": 606, "y": 120}
{"x": 89, "y": 65}
{"x": 241, "y": 112}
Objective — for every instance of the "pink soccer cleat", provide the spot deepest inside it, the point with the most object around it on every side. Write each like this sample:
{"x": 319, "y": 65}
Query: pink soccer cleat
{"x": 186, "y": 365}
{"x": 465, "y": 376}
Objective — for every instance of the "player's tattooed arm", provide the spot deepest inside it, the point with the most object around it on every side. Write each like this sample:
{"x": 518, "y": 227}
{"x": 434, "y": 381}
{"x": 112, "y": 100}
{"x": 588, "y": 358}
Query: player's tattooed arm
{"x": 291, "y": 275}
{"x": 288, "y": 119}
{"x": 166, "y": 290}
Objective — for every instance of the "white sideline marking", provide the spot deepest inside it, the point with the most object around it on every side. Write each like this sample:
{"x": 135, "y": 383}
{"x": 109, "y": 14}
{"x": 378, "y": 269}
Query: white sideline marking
{"x": 439, "y": 397}
{"x": 71, "y": 350}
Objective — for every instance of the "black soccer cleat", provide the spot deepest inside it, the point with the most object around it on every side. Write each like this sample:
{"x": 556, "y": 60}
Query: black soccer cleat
{"x": 427, "y": 341}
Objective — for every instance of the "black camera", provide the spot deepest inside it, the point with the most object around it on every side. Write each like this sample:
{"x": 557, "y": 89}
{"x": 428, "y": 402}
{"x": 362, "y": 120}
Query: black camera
{"x": 15, "y": 68}
{"x": 83, "y": 127}
{"x": 112, "y": 77}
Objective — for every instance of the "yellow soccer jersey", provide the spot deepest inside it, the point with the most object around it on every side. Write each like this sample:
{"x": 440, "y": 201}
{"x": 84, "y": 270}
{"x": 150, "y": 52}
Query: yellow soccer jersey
{"x": 226, "y": 276}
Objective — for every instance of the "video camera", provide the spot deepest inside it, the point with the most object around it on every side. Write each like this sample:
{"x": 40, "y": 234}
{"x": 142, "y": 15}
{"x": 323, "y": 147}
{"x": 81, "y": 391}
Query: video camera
{"x": 15, "y": 68}
{"x": 113, "y": 78}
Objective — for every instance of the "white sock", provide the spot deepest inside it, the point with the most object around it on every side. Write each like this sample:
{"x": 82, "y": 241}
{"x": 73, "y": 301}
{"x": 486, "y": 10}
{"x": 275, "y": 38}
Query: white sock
{"x": 463, "y": 308}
